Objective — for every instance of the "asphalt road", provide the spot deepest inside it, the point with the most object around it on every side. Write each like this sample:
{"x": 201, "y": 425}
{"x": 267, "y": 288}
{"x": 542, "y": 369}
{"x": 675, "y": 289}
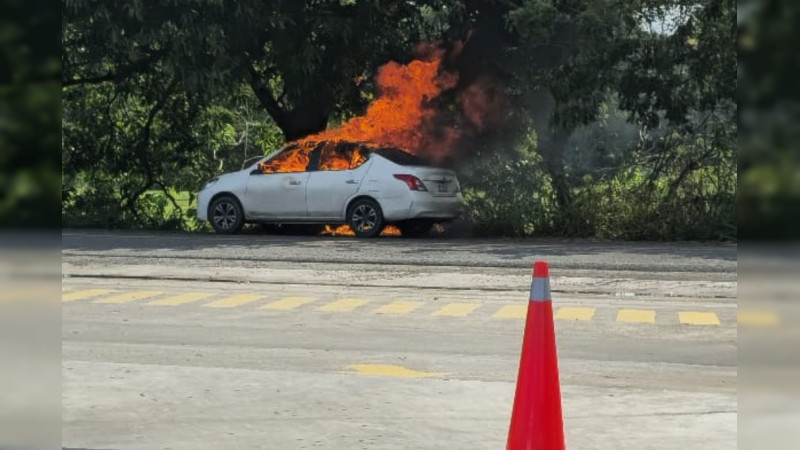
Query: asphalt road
{"x": 279, "y": 342}
{"x": 481, "y": 253}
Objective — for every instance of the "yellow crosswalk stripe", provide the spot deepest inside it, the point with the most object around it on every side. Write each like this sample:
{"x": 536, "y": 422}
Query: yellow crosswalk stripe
{"x": 288, "y": 303}
{"x": 398, "y": 307}
{"x": 511, "y": 312}
{"x": 757, "y": 318}
{"x": 636, "y": 316}
{"x": 180, "y": 299}
{"x": 81, "y": 295}
{"x": 698, "y": 318}
{"x": 128, "y": 297}
{"x": 574, "y": 313}
{"x": 343, "y": 305}
{"x": 457, "y": 309}
{"x": 234, "y": 301}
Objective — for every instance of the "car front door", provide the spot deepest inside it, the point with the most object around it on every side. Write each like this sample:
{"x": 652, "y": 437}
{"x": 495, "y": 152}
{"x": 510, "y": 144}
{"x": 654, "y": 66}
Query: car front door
{"x": 341, "y": 169}
{"x": 276, "y": 189}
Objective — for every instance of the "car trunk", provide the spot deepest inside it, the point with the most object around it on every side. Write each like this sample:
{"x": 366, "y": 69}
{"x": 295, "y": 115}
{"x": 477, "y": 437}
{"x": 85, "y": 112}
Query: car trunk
{"x": 440, "y": 182}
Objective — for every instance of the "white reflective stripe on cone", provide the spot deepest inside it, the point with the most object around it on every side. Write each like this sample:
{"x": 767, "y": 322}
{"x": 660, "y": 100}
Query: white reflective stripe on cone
{"x": 540, "y": 290}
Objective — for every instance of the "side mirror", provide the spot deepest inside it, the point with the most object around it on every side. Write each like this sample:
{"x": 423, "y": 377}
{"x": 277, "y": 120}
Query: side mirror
{"x": 255, "y": 172}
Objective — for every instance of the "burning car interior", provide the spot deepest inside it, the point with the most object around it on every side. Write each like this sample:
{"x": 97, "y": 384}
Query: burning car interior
{"x": 331, "y": 155}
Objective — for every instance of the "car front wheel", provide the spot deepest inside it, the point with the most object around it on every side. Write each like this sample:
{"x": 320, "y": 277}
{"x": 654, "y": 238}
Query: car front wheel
{"x": 226, "y": 215}
{"x": 365, "y": 218}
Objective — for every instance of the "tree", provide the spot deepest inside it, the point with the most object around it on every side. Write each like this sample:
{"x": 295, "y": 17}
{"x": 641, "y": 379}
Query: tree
{"x": 155, "y": 93}
{"x": 29, "y": 115}
{"x": 563, "y": 60}
{"x": 304, "y": 60}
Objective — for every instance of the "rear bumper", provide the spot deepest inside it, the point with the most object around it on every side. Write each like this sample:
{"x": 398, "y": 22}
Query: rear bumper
{"x": 422, "y": 205}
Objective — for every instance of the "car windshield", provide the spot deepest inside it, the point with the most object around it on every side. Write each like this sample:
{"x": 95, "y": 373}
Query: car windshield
{"x": 401, "y": 157}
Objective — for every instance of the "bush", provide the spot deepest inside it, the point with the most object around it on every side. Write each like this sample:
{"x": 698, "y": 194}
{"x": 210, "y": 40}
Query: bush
{"x": 508, "y": 193}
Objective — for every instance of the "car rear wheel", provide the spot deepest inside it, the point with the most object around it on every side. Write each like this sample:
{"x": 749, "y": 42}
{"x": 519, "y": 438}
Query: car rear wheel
{"x": 415, "y": 228}
{"x": 365, "y": 218}
{"x": 226, "y": 215}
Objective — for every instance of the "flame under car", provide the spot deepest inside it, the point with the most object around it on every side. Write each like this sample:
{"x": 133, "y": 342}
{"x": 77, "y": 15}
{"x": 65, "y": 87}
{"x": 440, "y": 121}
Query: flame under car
{"x": 334, "y": 182}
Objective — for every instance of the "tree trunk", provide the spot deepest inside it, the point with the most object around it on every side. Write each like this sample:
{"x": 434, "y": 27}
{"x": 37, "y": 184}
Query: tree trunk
{"x": 302, "y": 121}
{"x": 311, "y": 116}
{"x": 552, "y": 147}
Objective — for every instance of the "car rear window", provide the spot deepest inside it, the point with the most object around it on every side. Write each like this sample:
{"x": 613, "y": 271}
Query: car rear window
{"x": 401, "y": 157}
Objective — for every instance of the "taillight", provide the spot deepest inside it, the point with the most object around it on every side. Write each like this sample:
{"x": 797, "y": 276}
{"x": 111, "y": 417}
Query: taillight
{"x": 413, "y": 183}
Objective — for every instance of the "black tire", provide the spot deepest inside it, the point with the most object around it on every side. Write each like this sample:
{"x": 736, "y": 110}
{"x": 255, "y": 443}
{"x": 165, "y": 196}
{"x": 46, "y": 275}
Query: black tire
{"x": 415, "y": 228}
{"x": 365, "y": 218}
{"x": 226, "y": 215}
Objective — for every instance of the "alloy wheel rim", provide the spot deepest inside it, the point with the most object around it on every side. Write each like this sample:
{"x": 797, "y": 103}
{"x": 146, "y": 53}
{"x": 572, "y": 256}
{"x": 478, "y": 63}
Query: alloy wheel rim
{"x": 225, "y": 215}
{"x": 365, "y": 218}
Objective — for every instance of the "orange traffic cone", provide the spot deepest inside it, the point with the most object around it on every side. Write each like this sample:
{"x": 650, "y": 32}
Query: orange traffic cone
{"x": 536, "y": 422}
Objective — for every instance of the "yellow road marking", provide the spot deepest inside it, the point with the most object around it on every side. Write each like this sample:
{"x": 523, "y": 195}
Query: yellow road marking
{"x": 180, "y": 299}
{"x": 288, "y": 303}
{"x": 457, "y": 309}
{"x": 636, "y": 316}
{"x": 343, "y": 305}
{"x": 512, "y": 312}
{"x": 389, "y": 370}
{"x": 128, "y": 297}
{"x": 398, "y": 307}
{"x": 80, "y": 295}
{"x": 698, "y": 318}
{"x": 234, "y": 301}
{"x": 757, "y": 318}
{"x": 571, "y": 313}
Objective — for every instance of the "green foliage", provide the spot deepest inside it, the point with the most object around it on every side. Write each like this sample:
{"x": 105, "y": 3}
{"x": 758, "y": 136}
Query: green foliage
{"x": 29, "y": 115}
{"x": 687, "y": 192}
{"x": 769, "y": 109}
{"x": 623, "y": 108}
{"x": 509, "y": 195}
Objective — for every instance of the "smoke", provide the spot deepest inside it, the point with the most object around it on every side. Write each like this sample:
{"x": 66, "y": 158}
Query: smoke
{"x": 426, "y": 107}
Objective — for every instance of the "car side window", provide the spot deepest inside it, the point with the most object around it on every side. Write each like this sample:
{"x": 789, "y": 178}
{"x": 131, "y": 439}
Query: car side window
{"x": 359, "y": 157}
{"x": 292, "y": 159}
{"x": 341, "y": 156}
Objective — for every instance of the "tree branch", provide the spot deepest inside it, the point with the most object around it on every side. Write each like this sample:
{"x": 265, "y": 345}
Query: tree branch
{"x": 118, "y": 75}
{"x": 265, "y": 95}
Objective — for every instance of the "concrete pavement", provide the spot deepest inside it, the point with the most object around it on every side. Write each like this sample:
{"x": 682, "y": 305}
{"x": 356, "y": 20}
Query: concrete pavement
{"x": 162, "y": 352}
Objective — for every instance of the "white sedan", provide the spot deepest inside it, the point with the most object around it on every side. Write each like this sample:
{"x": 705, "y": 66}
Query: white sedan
{"x": 334, "y": 182}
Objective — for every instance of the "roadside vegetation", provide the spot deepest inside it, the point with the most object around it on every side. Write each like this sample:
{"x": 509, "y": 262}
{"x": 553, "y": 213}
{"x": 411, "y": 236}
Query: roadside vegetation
{"x": 623, "y": 113}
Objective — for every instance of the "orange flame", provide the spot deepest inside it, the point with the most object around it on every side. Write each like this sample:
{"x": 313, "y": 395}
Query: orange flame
{"x": 345, "y": 230}
{"x": 294, "y": 158}
{"x": 402, "y": 111}
{"x": 405, "y": 115}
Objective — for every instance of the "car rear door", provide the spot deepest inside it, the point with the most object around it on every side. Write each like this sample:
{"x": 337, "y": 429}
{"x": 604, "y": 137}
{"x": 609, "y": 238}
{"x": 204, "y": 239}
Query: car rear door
{"x": 341, "y": 169}
{"x": 277, "y": 189}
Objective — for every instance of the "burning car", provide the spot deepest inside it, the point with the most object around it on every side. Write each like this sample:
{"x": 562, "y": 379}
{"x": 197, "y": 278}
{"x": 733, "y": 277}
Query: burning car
{"x": 334, "y": 182}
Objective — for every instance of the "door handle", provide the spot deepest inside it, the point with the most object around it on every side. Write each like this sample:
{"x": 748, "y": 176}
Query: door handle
{"x": 351, "y": 181}
{"x": 294, "y": 182}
